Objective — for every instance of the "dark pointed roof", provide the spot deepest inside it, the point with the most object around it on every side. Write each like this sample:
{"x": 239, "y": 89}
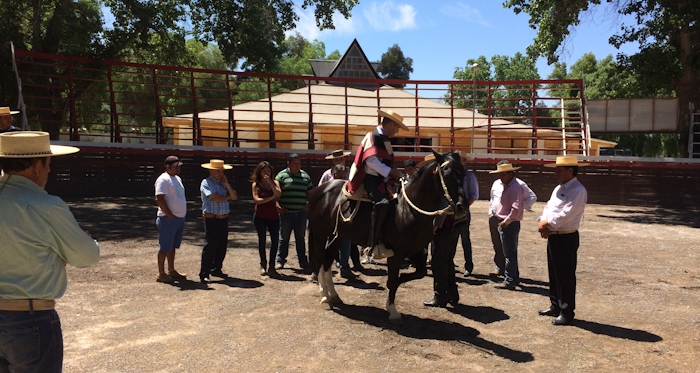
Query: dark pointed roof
{"x": 354, "y": 64}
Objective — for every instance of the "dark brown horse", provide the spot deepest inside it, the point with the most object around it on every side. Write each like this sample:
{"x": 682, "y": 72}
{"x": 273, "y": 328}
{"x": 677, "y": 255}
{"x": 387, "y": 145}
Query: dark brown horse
{"x": 435, "y": 189}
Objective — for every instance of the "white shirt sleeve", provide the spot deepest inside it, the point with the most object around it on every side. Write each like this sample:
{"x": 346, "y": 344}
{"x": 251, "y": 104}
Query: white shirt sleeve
{"x": 529, "y": 196}
{"x": 374, "y": 164}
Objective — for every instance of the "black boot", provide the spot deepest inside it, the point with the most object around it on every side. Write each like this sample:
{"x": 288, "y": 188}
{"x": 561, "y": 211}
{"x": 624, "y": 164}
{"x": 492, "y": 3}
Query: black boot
{"x": 379, "y": 213}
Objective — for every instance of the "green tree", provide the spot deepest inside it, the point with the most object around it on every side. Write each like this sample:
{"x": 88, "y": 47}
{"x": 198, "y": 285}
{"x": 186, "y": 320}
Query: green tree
{"x": 608, "y": 79}
{"x": 668, "y": 34}
{"x": 249, "y": 34}
{"x": 513, "y": 101}
{"x": 394, "y": 65}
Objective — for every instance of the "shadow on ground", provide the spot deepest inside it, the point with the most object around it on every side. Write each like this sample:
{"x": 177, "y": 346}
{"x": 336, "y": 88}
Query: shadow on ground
{"x": 617, "y": 331}
{"x": 122, "y": 218}
{"x": 688, "y": 218}
{"x": 419, "y": 328}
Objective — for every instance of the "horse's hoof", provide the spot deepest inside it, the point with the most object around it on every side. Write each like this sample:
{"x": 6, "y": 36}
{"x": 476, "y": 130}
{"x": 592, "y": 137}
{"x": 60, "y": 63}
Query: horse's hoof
{"x": 396, "y": 320}
{"x": 325, "y": 304}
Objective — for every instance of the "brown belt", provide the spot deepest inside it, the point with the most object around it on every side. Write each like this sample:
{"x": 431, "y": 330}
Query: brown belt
{"x": 212, "y": 216}
{"x": 562, "y": 232}
{"x": 27, "y": 304}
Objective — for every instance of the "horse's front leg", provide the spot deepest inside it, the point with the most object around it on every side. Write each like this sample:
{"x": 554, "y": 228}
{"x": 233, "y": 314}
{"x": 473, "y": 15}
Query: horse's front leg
{"x": 393, "y": 264}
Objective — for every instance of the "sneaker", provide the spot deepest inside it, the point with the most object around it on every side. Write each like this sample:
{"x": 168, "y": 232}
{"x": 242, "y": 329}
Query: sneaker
{"x": 165, "y": 279}
{"x": 279, "y": 265}
{"x": 272, "y": 272}
{"x": 380, "y": 252}
{"x": 218, "y": 273}
{"x": 263, "y": 271}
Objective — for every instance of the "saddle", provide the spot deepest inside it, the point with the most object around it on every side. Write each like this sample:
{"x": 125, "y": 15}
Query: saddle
{"x": 362, "y": 195}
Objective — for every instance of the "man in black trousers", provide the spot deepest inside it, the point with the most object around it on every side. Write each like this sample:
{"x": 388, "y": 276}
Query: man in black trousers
{"x": 559, "y": 224}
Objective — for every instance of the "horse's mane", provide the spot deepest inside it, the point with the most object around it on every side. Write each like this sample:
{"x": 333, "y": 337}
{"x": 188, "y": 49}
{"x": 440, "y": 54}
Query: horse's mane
{"x": 427, "y": 166}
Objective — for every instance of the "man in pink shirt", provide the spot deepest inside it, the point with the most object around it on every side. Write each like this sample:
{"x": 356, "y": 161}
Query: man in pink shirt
{"x": 509, "y": 212}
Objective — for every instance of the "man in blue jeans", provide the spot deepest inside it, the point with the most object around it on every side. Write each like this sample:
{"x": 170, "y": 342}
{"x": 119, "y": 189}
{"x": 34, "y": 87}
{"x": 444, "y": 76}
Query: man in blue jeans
{"x": 292, "y": 206}
{"x": 33, "y": 261}
{"x": 509, "y": 212}
{"x": 471, "y": 188}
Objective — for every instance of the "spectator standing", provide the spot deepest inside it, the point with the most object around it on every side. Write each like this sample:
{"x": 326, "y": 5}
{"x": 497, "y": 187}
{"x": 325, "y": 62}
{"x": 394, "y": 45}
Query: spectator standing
{"x": 6, "y": 120}
{"x": 33, "y": 261}
{"x": 266, "y": 191}
{"x": 172, "y": 209}
{"x": 216, "y": 192}
{"x": 559, "y": 224}
{"x": 295, "y": 184}
{"x": 509, "y": 213}
{"x": 337, "y": 157}
{"x": 471, "y": 188}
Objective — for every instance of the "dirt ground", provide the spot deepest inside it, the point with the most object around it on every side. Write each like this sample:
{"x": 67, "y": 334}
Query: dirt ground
{"x": 638, "y": 298}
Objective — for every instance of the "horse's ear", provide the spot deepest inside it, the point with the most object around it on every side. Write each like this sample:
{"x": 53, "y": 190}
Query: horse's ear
{"x": 438, "y": 157}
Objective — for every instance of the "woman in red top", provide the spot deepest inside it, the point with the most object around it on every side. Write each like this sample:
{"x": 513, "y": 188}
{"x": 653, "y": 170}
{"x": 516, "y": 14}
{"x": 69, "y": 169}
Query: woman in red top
{"x": 266, "y": 190}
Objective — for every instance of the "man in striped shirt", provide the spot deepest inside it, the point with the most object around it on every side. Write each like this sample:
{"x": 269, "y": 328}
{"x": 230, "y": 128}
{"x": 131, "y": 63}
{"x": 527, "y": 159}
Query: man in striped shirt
{"x": 295, "y": 184}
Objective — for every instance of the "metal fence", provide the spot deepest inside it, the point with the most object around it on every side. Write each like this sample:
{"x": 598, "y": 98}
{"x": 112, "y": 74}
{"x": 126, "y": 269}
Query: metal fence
{"x": 80, "y": 99}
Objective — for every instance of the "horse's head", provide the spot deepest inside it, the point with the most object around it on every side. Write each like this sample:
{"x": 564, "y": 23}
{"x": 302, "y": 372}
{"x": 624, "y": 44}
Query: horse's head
{"x": 452, "y": 179}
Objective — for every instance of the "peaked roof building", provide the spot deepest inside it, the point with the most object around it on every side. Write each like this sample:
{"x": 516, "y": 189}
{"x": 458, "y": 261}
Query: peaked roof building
{"x": 352, "y": 65}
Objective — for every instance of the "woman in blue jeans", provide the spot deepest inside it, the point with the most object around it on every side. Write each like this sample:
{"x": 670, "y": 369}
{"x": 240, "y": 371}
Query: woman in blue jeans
{"x": 266, "y": 190}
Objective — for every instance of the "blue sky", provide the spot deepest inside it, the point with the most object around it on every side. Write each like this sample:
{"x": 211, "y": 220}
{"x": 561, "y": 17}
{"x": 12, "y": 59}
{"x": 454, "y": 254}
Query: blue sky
{"x": 441, "y": 35}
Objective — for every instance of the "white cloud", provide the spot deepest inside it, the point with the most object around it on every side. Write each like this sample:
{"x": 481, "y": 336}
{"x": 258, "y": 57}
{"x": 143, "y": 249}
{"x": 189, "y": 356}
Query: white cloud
{"x": 306, "y": 25}
{"x": 390, "y": 16}
{"x": 465, "y": 12}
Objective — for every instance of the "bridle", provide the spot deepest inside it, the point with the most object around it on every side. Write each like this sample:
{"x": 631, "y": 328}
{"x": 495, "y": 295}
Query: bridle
{"x": 449, "y": 210}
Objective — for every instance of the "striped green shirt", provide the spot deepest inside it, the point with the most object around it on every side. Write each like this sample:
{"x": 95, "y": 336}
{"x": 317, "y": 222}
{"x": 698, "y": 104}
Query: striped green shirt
{"x": 294, "y": 188}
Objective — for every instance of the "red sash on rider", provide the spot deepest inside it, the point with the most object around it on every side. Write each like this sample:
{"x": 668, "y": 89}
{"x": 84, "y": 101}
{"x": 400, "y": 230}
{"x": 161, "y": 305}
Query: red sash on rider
{"x": 374, "y": 143}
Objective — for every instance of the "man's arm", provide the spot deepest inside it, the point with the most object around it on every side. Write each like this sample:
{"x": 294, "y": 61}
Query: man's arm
{"x": 160, "y": 200}
{"x": 73, "y": 244}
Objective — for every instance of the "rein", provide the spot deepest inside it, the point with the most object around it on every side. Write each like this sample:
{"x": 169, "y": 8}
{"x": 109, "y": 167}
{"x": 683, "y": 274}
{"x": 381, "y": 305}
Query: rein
{"x": 446, "y": 211}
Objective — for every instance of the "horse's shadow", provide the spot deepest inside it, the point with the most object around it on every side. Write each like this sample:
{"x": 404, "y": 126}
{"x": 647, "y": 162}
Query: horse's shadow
{"x": 419, "y": 328}
{"x": 617, "y": 331}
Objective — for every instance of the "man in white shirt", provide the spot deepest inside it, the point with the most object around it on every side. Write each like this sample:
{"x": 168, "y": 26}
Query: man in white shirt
{"x": 373, "y": 167}
{"x": 529, "y": 198}
{"x": 559, "y": 224}
{"x": 172, "y": 208}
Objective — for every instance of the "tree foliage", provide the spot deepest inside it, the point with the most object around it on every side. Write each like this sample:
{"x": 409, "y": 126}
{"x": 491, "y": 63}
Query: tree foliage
{"x": 667, "y": 32}
{"x": 249, "y": 34}
{"x": 394, "y": 65}
{"x": 513, "y": 102}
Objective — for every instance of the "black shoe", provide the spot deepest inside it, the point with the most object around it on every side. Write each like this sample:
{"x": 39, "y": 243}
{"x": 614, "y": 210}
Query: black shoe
{"x": 453, "y": 302}
{"x": 562, "y": 320}
{"x": 435, "y": 303}
{"x": 551, "y": 311}
{"x": 218, "y": 273}
{"x": 467, "y": 273}
{"x": 204, "y": 280}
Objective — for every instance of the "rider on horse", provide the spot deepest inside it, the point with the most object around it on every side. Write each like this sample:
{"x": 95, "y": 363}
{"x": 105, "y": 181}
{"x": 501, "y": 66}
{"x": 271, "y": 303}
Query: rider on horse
{"x": 373, "y": 167}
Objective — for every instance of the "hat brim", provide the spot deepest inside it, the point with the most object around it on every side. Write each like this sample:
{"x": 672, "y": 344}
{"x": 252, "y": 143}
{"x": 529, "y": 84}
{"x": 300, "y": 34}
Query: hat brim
{"x": 502, "y": 171}
{"x": 56, "y": 150}
{"x": 393, "y": 119}
{"x": 553, "y": 165}
{"x": 423, "y": 163}
{"x": 209, "y": 167}
{"x": 345, "y": 154}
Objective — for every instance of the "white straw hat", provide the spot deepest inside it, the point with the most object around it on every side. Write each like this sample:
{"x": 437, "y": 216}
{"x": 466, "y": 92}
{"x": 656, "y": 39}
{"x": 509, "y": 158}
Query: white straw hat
{"x": 217, "y": 164}
{"x": 396, "y": 118}
{"x": 566, "y": 161}
{"x": 31, "y": 144}
{"x": 506, "y": 167}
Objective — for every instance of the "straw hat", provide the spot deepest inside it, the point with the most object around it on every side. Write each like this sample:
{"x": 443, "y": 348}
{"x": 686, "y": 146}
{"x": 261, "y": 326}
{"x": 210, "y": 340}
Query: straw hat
{"x": 506, "y": 167}
{"x": 394, "y": 117}
{"x": 217, "y": 164}
{"x": 6, "y": 111}
{"x": 338, "y": 154}
{"x": 567, "y": 161}
{"x": 31, "y": 144}
{"x": 428, "y": 158}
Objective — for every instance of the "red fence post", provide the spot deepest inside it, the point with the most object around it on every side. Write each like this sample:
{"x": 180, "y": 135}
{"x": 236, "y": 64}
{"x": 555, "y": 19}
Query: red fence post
{"x": 347, "y": 118}
{"x": 197, "y": 124}
{"x": 311, "y": 144}
{"x": 273, "y": 143}
{"x": 160, "y": 133}
{"x": 74, "y": 135}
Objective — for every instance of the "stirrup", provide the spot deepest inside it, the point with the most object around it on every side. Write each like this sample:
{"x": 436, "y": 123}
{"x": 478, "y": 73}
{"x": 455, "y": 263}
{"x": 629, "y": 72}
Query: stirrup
{"x": 380, "y": 251}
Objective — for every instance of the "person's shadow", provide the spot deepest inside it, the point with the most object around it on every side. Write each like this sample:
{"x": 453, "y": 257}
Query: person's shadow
{"x": 419, "y": 328}
{"x": 616, "y": 331}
